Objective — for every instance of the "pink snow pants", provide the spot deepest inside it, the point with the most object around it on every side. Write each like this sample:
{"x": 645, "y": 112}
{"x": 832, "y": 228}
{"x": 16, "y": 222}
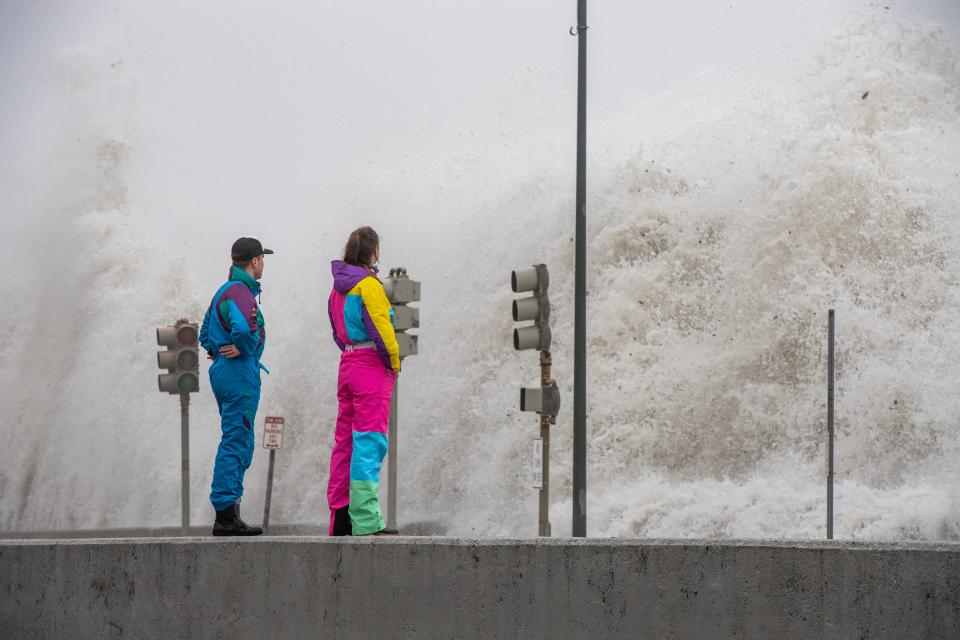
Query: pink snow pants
{"x": 364, "y": 389}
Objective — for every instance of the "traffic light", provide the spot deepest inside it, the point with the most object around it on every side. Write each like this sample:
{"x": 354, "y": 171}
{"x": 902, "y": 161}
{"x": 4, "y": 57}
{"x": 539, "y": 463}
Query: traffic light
{"x": 535, "y": 307}
{"x": 543, "y": 400}
{"x": 181, "y": 358}
{"x": 401, "y": 291}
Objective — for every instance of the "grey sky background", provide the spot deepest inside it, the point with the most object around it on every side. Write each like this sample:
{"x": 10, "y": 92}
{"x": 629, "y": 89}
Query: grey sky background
{"x": 280, "y": 109}
{"x": 297, "y": 121}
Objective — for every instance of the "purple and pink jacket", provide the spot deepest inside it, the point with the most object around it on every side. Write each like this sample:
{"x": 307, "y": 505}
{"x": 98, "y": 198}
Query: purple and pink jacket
{"x": 360, "y": 312}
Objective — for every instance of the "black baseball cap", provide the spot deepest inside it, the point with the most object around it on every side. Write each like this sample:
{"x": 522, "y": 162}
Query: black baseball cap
{"x": 246, "y": 249}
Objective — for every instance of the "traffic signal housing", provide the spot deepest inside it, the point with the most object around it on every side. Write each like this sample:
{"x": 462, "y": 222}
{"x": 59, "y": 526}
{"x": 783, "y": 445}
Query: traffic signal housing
{"x": 544, "y": 400}
{"x": 401, "y": 291}
{"x": 181, "y": 359}
{"x": 535, "y": 307}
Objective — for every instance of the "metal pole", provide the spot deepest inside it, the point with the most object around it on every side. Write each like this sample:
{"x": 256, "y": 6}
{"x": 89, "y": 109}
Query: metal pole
{"x": 831, "y": 333}
{"x": 266, "y": 504}
{"x": 392, "y": 461}
{"x": 544, "y": 528}
{"x": 580, "y": 306}
{"x": 185, "y": 463}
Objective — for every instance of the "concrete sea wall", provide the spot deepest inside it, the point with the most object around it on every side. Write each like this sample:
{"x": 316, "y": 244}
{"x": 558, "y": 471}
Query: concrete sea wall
{"x": 308, "y": 587}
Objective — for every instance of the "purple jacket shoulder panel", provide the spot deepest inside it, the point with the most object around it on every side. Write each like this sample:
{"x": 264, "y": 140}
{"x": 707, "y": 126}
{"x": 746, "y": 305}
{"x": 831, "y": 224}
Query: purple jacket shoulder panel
{"x": 245, "y": 301}
{"x": 347, "y": 276}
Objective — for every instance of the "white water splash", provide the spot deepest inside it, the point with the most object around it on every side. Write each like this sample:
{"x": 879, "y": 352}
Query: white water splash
{"x": 716, "y": 249}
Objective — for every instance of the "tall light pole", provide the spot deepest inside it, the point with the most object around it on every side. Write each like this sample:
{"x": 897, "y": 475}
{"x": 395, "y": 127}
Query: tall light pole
{"x": 580, "y": 285}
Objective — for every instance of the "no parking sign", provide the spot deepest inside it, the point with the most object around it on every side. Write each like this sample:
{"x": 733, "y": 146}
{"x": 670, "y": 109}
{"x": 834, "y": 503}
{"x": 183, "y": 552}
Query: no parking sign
{"x": 273, "y": 432}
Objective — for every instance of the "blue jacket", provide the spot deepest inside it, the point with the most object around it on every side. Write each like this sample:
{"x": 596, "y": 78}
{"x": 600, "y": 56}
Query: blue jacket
{"x": 235, "y": 318}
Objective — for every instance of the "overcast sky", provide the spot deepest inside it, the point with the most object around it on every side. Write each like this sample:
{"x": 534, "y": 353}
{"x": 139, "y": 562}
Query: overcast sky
{"x": 287, "y": 106}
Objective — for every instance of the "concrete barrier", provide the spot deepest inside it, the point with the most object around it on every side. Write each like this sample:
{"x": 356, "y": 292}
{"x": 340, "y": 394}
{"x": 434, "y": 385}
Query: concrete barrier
{"x": 154, "y": 532}
{"x": 450, "y": 588}
{"x": 415, "y": 528}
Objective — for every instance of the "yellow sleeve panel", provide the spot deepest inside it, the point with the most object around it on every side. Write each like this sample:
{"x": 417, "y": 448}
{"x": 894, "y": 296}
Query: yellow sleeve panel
{"x": 381, "y": 313}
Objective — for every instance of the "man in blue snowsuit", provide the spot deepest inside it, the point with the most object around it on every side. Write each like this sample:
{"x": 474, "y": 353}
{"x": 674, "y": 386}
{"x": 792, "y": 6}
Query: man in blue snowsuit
{"x": 233, "y": 335}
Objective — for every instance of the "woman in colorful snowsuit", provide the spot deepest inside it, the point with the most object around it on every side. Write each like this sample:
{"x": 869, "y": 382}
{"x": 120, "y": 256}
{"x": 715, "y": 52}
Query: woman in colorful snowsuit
{"x": 362, "y": 322}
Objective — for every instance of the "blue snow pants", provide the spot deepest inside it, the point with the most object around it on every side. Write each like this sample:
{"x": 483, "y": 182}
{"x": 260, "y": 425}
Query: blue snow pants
{"x": 236, "y": 386}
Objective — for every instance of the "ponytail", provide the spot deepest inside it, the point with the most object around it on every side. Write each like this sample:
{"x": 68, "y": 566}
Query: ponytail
{"x": 361, "y": 245}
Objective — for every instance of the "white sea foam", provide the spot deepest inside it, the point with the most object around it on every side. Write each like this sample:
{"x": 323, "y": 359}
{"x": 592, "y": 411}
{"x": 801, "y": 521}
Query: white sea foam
{"x": 715, "y": 250}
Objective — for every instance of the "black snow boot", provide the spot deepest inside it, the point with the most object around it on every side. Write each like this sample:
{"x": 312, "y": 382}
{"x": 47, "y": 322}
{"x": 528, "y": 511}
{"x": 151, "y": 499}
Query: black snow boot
{"x": 387, "y": 531}
{"x": 341, "y": 522}
{"x": 228, "y": 523}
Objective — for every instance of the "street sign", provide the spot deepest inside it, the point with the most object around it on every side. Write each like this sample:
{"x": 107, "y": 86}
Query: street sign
{"x": 273, "y": 432}
{"x": 537, "y": 465}
{"x": 273, "y": 440}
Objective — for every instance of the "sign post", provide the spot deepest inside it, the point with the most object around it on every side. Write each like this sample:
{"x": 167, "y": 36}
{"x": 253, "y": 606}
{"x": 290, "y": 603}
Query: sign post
{"x": 272, "y": 440}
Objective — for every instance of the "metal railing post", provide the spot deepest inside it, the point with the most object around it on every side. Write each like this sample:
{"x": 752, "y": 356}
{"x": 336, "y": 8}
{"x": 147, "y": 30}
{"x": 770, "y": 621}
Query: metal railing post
{"x": 831, "y": 333}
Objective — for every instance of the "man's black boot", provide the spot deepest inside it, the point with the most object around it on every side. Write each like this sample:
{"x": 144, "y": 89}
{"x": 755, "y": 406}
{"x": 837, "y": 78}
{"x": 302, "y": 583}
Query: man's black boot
{"x": 342, "y": 526}
{"x": 228, "y": 523}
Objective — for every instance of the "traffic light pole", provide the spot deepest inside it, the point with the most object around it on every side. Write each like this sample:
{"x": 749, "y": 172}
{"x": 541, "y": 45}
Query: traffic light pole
{"x": 185, "y": 463}
{"x": 580, "y": 286}
{"x": 544, "y": 528}
{"x": 401, "y": 291}
{"x": 544, "y": 400}
{"x": 182, "y": 362}
{"x": 392, "y": 460}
